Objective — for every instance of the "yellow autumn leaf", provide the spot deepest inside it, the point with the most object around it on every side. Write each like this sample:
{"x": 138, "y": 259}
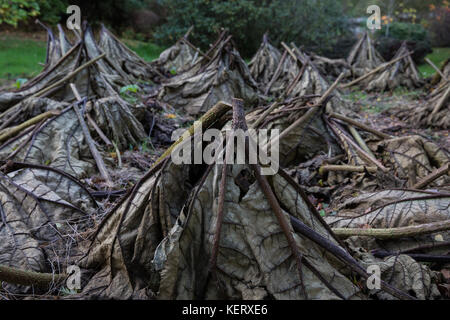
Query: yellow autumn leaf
{"x": 170, "y": 116}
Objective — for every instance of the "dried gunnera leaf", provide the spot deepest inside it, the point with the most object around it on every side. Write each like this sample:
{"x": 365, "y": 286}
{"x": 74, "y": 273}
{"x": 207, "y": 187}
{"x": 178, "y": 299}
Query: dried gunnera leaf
{"x": 264, "y": 63}
{"x": 394, "y": 209}
{"x": 224, "y": 74}
{"x": 9, "y": 100}
{"x": 413, "y": 157}
{"x": 309, "y": 138}
{"x": 99, "y": 69}
{"x": 57, "y": 141}
{"x": 42, "y": 213}
{"x": 363, "y": 57}
{"x": 57, "y": 47}
{"x": 166, "y": 233}
{"x": 404, "y": 272}
{"x": 391, "y": 208}
{"x": 331, "y": 68}
{"x": 218, "y": 231}
{"x": 299, "y": 78}
{"x": 254, "y": 260}
{"x": 118, "y": 119}
{"x": 402, "y": 73}
{"x": 434, "y": 111}
{"x": 124, "y": 58}
{"x": 176, "y": 59}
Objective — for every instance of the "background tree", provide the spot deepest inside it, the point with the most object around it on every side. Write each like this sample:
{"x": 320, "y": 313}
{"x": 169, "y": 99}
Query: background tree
{"x": 311, "y": 23}
{"x": 14, "y": 11}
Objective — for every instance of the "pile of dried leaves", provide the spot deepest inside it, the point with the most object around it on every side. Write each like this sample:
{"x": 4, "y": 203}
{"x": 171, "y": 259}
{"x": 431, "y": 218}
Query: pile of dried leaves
{"x": 363, "y": 57}
{"x": 403, "y": 73}
{"x": 435, "y": 110}
{"x": 346, "y": 196}
{"x": 219, "y": 74}
{"x": 178, "y": 58}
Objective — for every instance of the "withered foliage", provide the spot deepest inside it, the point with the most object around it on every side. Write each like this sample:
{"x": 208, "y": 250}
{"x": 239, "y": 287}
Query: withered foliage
{"x": 363, "y": 57}
{"x": 345, "y": 197}
{"x": 435, "y": 110}
{"x": 218, "y": 75}
{"x": 402, "y": 73}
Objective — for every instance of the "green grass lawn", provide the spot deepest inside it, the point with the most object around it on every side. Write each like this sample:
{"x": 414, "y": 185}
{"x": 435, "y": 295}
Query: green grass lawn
{"x": 438, "y": 57}
{"x": 20, "y": 58}
{"x": 148, "y": 51}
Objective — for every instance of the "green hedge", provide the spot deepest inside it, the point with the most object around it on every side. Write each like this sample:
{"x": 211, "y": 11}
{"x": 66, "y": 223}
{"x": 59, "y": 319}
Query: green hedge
{"x": 415, "y": 34}
{"x": 405, "y": 31}
{"x": 14, "y": 11}
{"x": 51, "y": 11}
{"x": 310, "y": 23}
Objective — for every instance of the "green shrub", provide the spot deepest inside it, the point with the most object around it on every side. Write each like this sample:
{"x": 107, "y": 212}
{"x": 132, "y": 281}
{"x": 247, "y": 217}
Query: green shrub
{"x": 115, "y": 13}
{"x": 51, "y": 11}
{"x": 415, "y": 34}
{"x": 14, "y": 11}
{"x": 309, "y": 23}
{"x": 405, "y": 31}
{"x": 208, "y": 16}
{"x": 314, "y": 25}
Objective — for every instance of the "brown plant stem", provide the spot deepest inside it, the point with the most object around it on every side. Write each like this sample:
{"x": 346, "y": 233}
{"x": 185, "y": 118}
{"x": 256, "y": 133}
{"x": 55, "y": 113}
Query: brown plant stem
{"x": 240, "y": 123}
{"x": 310, "y": 113}
{"x": 95, "y": 153}
{"x": 15, "y": 130}
{"x": 378, "y": 69}
{"x": 360, "y": 140}
{"x": 394, "y": 233}
{"x": 329, "y": 167}
{"x": 436, "y": 69}
{"x": 69, "y": 76}
{"x": 29, "y": 278}
{"x": 360, "y": 125}
{"x": 441, "y": 102}
{"x": 341, "y": 254}
{"x": 432, "y": 176}
{"x": 211, "y": 116}
{"x": 275, "y": 74}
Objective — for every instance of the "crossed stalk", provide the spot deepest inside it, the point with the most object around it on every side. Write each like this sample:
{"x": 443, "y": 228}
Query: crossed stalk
{"x": 239, "y": 122}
